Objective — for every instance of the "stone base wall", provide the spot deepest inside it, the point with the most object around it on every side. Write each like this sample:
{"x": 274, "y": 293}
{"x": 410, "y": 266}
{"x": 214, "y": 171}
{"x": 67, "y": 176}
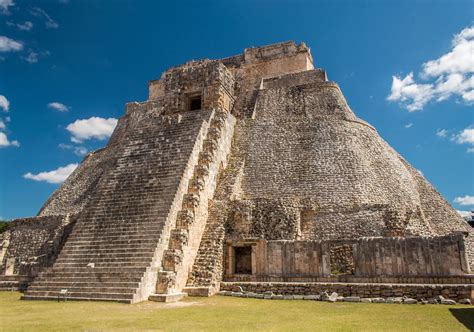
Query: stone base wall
{"x": 31, "y": 244}
{"x": 364, "y": 257}
{"x": 418, "y": 292}
{"x": 466, "y": 279}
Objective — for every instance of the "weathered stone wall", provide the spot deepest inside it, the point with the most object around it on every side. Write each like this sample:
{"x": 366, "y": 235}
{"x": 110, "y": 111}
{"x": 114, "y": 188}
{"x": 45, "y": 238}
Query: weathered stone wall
{"x": 31, "y": 244}
{"x": 209, "y": 79}
{"x": 367, "y": 257}
{"x": 305, "y": 151}
{"x": 418, "y": 292}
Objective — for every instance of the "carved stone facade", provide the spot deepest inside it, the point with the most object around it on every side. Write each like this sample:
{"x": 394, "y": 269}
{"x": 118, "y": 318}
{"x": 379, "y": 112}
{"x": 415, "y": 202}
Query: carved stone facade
{"x": 248, "y": 168}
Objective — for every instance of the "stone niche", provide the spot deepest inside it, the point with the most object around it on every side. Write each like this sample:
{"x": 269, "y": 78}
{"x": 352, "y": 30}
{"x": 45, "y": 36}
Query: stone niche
{"x": 241, "y": 256}
{"x": 194, "y": 86}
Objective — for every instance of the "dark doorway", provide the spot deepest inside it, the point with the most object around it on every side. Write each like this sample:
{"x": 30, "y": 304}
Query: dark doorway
{"x": 243, "y": 260}
{"x": 195, "y": 103}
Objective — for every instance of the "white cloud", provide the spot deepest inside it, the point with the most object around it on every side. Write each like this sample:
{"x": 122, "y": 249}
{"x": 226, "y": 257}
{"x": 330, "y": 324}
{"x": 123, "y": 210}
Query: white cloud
{"x": 442, "y": 133}
{"x": 414, "y": 95}
{"x": 4, "y": 103}
{"x": 4, "y": 4}
{"x": 58, "y": 106}
{"x": 78, "y": 150}
{"x": 32, "y": 57}
{"x": 408, "y": 125}
{"x": 466, "y": 200}
{"x": 56, "y": 176}
{"x": 470, "y": 150}
{"x": 449, "y": 75}
{"x": 2, "y": 125}
{"x": 4, "y": 141}
{"x": 464, "y": 214}
{"x": 10, "y": 45}
{"x": 92, "y": 128}
{"x": 49, "y": 22}
{"x": 466, "y": 136}
{"x": 26, "y": 26}
{"x": 459, "y": 60}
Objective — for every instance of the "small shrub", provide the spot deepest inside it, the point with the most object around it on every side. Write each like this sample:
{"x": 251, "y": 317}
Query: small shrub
{"x": 3, "y": 226}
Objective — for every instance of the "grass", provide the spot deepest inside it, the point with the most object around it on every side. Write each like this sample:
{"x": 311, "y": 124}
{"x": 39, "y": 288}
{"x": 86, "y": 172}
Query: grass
{"x": 221, "y": 313}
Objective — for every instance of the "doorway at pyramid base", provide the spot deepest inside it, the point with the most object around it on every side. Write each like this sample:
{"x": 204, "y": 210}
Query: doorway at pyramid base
{"x": 416, "y": 266}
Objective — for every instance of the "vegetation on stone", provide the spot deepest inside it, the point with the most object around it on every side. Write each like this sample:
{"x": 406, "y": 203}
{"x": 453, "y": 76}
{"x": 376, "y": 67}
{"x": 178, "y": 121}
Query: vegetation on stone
{"x": 3, "y": 226}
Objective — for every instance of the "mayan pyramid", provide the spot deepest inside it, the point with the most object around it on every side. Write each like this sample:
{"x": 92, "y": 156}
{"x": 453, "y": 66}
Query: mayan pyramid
{"x": 251, "y": 168}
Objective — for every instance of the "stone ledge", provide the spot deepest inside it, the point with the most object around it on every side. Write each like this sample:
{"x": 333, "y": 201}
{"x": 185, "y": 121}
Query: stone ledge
{"x": 167, "y": 298}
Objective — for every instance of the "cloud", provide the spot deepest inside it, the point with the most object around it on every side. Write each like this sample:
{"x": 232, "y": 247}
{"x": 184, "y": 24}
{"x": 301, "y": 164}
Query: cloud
{"x": 56, "y": 176}
{"x": 408, "y": 125}
{"x": 10, "y": 45}
{"x": 25, "y": 26}
{"x": 58, "y": 106}
{"x": 4, "y": 142}
{"x": 2, "y": 125}
{"x": 442, "y": 133}
{"x": 4, "y": 4}
{"x": 4, "y": 103}
{"x": 49, "y": 22}
{"x": 466, "y": 136}
{"x": 78, "y": 150}
{"x": 466, "y": 200}
{"x": 449, "y": 75}
{"x": 465, "y": 214}
{"x": 92, "y": 128}
{"x": 32, "y": 57}
{"x": 406, "y": 90}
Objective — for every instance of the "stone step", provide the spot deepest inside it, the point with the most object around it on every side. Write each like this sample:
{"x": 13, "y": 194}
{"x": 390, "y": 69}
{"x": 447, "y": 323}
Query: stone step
{"x": 107, "y": 246}
{"x": 110, "y": 242}
{"x": 38, "y": 295}
{"x": 82, "y": 277}
{"x": 75, "y": 283}
{"x": 80, "y": 289}
{"x": 100, "y": 270}
{"x": 115, "y": 233}
{"x": 104, "y": 256}
{"x": 105, "y": 264}
{"x": 107, "y": 251}
{"x": 113, "y": 237}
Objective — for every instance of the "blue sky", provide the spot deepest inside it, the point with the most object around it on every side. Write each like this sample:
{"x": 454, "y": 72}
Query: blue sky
{"x": 68, "y": 67}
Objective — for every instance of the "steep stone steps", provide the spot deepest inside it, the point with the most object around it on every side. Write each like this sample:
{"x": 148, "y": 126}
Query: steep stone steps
{"x": 207, "y": 268}
{"x": 128, "y": 219}
{"x": 183, "y": 246}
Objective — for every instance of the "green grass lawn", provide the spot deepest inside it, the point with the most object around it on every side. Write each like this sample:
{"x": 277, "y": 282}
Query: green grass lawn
{"x": 221, "y": 313}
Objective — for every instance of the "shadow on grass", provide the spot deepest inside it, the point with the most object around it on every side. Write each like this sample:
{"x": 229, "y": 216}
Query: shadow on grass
{"x": 464, "y": 316}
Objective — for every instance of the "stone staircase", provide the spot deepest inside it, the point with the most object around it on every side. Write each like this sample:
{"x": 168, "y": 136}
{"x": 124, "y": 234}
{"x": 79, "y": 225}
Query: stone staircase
{"x": 116, "y": 247}
{"x": 185, "y": 239}
{"x": 207, "y": 269}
